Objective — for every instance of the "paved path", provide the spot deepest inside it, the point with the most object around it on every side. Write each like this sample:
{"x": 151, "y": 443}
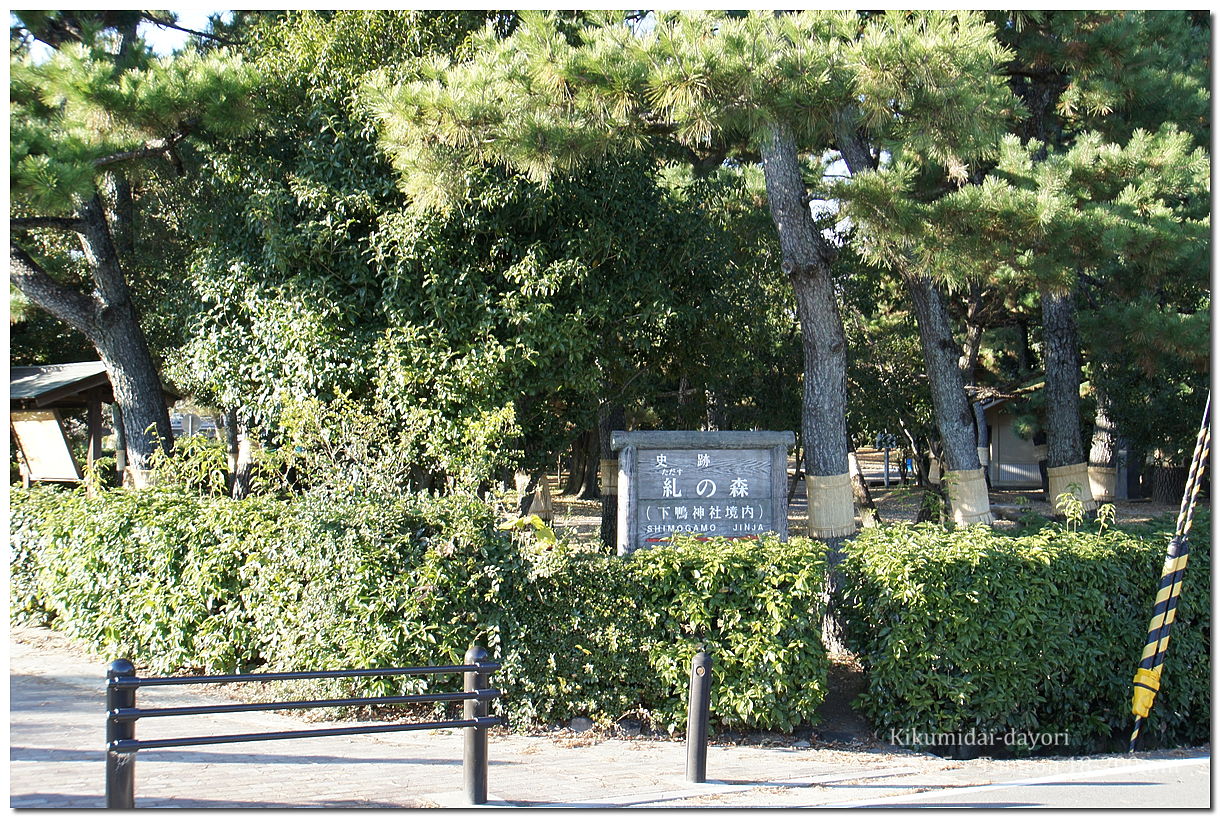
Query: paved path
{"x": 57, "y": 760}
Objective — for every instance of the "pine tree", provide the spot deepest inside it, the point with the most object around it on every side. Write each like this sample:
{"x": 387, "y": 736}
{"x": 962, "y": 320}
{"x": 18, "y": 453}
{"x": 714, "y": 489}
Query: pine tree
{"x": 1068, "y": 202}
{"x": 97, "y": 109}
{"x": 1090, "y": 78}
{"x": 761, "y": 87}
{"x": 893, "y": 207}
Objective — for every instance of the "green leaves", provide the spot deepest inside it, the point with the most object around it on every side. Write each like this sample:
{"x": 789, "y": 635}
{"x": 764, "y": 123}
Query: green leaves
{"x": 957, "y": 629}
{"x": 491, "y": 329}
{"x": 183, "y": 582}
{"x": 930, "y": 85}
{"x": 756, "y": 606}
{"x": 1042, "y": 631}
{"x": 75, "y": 111}
{"x": 538, "y": 104}
{"x": 1121, "y": 70}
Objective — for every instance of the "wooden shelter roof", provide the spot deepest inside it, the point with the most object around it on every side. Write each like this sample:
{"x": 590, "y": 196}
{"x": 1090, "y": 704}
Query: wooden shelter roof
{"x": 56, "y": 384}
{"x": 61, "y": 385}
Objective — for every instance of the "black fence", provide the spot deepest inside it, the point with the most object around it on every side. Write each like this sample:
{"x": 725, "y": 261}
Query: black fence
{"x": 122, "y": 714}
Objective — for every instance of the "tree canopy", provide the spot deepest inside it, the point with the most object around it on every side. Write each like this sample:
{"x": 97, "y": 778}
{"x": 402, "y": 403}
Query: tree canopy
{"x": 85, "y": 122}
{"x": 486, "y": 238}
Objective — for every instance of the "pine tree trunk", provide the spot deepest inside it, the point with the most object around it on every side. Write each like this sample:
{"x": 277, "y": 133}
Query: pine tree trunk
{"x": 583, "y": 464}
{"x": 1067, "y": 471}
{"x": 577, "y": 454}
{"x": 122, "y": 214}
{"x": 963, "y": 483}
{"x": 1103, "y": 447}
{"x": 941, "y": 355}
{"x": 970, "y": 352}
{"x": 137, "y": 389}
{"x": 984, "y": 439}
{"x": 864, "y": 498}
{"x": 1025, "y": 352}
{"x": 589, "y": 489}
{"x": 824, "y": 399}
{"x": 974, "y": 336}
{"x": 122, "y": 346}
{"x": 107, "y": 317}
{"x": 944, "y": 361}
{"x": 611, "y": 417}
{"x": 807, "y": 259}
{"x": 1103, "y": 450}
{"x": 1168, "y": 483}
{"x": 969, "y": 365}
{"x": 1062, "y": 350}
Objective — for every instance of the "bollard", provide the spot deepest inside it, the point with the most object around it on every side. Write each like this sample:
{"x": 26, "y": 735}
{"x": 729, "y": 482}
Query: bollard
{"x": 120, "y": 767}
{"x": 697, "y": 714}
{"x": 474, "y": 753}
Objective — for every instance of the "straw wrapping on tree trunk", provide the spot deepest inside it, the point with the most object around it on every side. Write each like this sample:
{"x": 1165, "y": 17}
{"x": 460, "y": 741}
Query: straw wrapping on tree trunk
{"x": 1072, "y": 479}
{"x": 831, "y": 506}
{"x": 968, "y": 498}
{"x": 1102, "y": 482}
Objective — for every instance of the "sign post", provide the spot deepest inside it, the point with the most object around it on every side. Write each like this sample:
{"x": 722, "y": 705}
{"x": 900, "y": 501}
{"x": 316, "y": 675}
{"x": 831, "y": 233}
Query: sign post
{"x": 706, "y": 484}
{"x": 887, "y": 441}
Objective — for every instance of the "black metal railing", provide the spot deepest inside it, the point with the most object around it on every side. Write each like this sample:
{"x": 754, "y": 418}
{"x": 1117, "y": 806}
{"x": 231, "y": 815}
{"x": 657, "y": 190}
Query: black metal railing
{"x": 122, "y": 714}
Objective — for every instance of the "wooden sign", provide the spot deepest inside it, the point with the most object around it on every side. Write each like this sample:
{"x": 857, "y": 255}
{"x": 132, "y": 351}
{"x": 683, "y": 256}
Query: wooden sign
{"x": 44, "y": 446}
{"x": 706, "y": 484}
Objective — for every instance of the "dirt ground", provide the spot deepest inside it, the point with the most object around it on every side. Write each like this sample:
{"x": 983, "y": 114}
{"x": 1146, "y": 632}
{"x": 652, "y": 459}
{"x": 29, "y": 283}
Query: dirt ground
{"x": 582, "y": 518}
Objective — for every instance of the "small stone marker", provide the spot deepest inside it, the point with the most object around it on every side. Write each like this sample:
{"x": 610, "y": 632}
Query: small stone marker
{"x": 709, "y": 484}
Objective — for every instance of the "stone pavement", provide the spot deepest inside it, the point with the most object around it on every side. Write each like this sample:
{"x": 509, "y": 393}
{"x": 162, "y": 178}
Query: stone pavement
{"x": 57, "y": 760}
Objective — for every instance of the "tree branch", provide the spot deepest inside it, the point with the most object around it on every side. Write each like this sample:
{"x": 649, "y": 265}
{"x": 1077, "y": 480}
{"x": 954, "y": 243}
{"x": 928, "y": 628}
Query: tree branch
{"x": 165, "y": 147}
{"x": 53, "y": 222}
{"x": 158, "y": 147}
{"x": 157, "y": 21}
{"x": 1016, "y": 69}
{"x": 96, "y": 241}
{"x": 851, "y": 143}
{"x": 68, "y": 305}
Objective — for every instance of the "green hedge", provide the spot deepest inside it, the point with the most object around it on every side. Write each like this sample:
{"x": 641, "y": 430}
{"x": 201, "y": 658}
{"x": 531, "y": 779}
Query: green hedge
{"x": 1042, "y": 632}
{"x": 182, "y": 583}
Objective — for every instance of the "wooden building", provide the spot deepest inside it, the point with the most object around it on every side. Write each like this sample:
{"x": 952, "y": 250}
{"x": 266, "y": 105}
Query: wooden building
{"x": 37, "y": 394}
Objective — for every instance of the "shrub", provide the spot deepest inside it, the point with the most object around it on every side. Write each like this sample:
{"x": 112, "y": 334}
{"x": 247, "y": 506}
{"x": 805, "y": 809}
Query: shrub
{"x": 756, "y": 606}
{"x": 186, "y": 583}
{"x": 1040, "y": 632}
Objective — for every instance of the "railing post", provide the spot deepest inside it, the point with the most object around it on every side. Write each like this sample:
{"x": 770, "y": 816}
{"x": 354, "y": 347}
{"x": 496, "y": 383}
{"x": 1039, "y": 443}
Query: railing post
{"x": 697, "y": 714}
{"x": 474, "y": 755}
{"x": 120, "y": 767}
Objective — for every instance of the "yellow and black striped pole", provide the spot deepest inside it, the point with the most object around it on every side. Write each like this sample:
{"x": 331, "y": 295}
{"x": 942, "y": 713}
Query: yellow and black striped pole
{"x": 1148, "y": 676}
